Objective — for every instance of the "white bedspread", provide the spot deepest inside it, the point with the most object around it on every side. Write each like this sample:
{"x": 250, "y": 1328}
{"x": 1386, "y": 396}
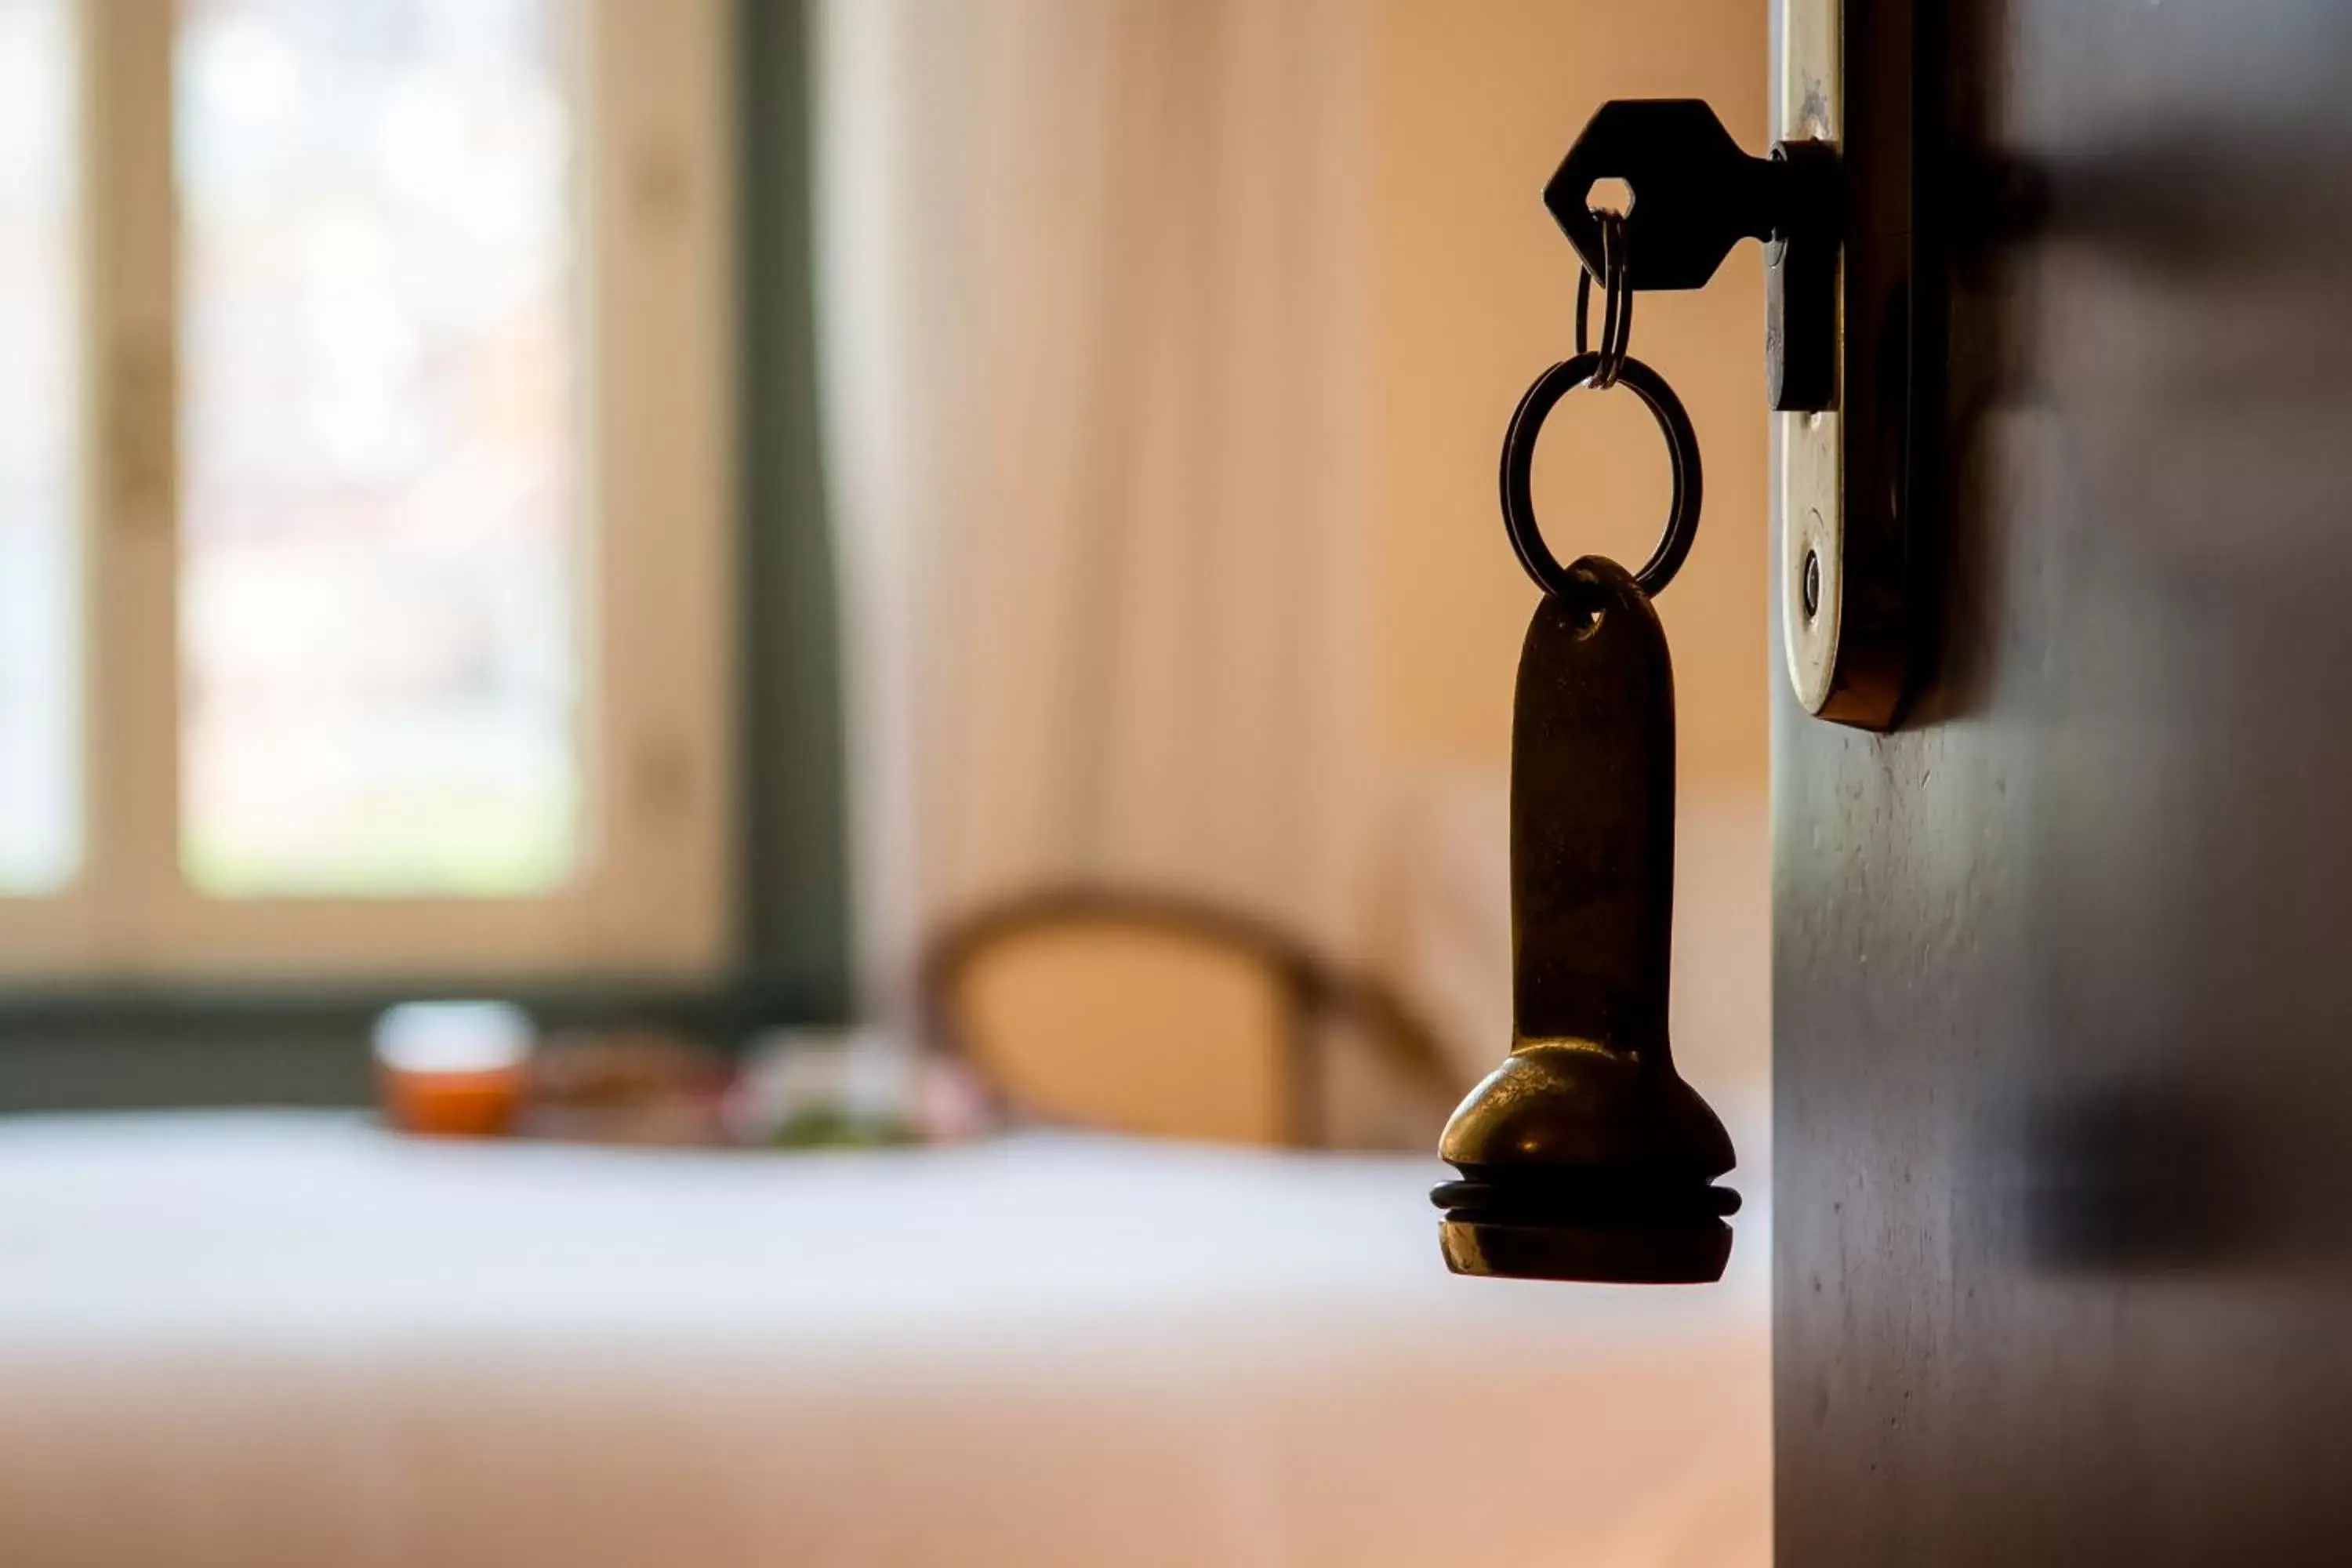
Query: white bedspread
{"x": 255, "y": 1340}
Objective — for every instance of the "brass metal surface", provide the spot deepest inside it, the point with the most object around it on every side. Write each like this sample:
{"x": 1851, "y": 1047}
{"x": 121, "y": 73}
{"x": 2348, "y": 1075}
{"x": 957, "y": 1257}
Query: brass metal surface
{"x": 1856, "y": 482}
{"x": 1808, "y": 448}
{"x": 1585, "y": 1155}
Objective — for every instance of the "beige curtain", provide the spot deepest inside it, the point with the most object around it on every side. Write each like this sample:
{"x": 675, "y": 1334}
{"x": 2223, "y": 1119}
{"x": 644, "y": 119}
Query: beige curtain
{"x": 1091, "y": 306}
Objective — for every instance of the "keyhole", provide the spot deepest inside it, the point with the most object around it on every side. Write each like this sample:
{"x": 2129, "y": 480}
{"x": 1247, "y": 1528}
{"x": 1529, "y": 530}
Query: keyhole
{"x": 1813, "y": 585}
{"x": 1610, "y": 196}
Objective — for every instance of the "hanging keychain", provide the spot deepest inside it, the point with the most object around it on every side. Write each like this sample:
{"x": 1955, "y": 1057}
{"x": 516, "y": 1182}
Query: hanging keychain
{"x": 1585, "y": 1156}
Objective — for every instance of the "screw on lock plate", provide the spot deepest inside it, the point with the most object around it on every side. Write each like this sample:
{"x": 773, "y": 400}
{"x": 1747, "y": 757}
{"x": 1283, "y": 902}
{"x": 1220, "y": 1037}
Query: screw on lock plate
{"x": 1694, "y": 195}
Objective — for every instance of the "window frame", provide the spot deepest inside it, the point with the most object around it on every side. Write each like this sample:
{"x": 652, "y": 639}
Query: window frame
{"x": 656, "y": 177}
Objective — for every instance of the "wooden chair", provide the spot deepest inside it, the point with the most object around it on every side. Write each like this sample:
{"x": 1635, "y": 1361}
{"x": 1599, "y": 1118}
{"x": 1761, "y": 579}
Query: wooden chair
{"x": 1162, "y": 1016}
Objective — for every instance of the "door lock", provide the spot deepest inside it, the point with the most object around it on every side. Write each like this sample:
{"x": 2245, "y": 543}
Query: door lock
{"x": 1851, "y": 475}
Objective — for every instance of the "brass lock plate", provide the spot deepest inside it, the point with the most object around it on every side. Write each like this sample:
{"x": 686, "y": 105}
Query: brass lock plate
{"x": 1808, "y": 448}
{"x": 1849, "y": 479}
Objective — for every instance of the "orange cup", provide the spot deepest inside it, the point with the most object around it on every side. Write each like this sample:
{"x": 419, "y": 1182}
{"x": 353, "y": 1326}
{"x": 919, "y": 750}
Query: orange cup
{"x": 452, "y": 1069}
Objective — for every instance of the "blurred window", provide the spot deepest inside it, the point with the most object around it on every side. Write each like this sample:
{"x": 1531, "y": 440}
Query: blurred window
{"x": 396, "y": 615}
{"x": 40, "y": 820}
{"x": 379, "y": 440}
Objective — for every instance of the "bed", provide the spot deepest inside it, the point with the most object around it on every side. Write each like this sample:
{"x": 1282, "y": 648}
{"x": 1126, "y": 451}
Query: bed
{"x": 261, "y": 1339}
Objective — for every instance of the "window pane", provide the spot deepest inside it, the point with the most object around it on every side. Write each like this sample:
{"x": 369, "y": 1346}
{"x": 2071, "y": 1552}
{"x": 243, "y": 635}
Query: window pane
{"x": 40, "y": 776}
{"x": 379, "y": 368}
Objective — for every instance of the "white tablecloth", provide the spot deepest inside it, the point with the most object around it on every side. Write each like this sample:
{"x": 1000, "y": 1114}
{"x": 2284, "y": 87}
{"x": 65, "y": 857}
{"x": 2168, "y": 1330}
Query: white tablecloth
{"x": 255, "y": 1340}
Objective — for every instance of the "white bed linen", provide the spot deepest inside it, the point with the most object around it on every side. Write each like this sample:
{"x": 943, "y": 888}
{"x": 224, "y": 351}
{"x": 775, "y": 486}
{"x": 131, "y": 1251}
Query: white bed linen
{"x": 255, "y": 1340}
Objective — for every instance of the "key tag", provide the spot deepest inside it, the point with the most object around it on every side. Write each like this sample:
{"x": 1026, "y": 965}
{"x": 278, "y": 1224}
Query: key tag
{"x": 1585, "y": 1155}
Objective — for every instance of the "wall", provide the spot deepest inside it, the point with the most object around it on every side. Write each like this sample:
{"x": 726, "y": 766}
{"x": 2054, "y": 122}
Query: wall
{"x": 1476, "y": 291}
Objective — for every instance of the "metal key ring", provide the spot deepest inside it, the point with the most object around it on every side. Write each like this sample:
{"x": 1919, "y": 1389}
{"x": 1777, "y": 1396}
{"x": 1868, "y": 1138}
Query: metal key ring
{"x": 1616, "y": 301}
{"x": 1519, "y": 463}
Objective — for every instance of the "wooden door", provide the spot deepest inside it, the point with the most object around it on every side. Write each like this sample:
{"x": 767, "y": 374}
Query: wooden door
{"x": 2064, "y": 968}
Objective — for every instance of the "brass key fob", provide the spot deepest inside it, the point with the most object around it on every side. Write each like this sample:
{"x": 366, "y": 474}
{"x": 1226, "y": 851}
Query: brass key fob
{"x": 1585, "y": 1155}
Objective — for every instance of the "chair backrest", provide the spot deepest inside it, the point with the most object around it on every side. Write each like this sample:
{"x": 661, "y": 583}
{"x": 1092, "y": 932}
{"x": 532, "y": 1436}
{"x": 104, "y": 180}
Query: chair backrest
{"x": 1156, "y": 1014}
